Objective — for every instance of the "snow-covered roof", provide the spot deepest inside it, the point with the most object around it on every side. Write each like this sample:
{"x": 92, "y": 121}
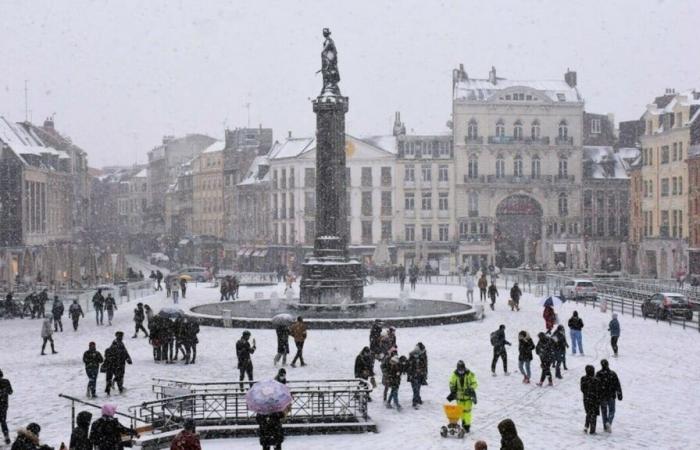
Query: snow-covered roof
{"x": 291, "y": 148}
{"x": 483, "y": 89}
{"x": 217, "y": 146}
{"x": 143, "y": 173}
{"x": 385, "y": 142}
{"x": 24, "y": 141}
{"x": 599, "y": 156}
{"x": 252, "y": 176}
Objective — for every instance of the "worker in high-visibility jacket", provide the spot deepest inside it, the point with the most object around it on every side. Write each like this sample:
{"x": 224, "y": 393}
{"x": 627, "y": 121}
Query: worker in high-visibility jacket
{"x": 463, "y": 389}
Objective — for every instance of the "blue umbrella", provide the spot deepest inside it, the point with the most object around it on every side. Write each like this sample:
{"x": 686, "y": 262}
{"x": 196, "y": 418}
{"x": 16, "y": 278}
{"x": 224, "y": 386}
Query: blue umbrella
{"x": 267, "y": 397}
{"x": 551, "y": 301}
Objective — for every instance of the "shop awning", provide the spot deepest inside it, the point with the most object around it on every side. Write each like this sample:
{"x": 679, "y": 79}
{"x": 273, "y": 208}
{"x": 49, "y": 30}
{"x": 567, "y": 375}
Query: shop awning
{"x": 260, "y": 253}
{"x": 241, "y": 252}
{"x": 249, "y": 252}
{"x": 559, "y": 248}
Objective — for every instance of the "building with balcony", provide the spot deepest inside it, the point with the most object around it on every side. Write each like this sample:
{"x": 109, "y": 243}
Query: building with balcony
{"x": 672, "y": 126}
{"x": 517, "y": 158}
{"x": 208, "y": 192}
{"x": 694, "y": 210}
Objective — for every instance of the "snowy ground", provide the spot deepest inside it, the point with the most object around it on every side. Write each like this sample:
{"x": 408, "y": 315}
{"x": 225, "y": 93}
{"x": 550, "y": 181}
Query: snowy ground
{"x": 658, "y": 368}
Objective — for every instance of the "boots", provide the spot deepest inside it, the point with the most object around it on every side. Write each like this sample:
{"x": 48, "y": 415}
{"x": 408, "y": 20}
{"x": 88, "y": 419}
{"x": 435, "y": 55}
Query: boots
{"x": 466, "y": 427}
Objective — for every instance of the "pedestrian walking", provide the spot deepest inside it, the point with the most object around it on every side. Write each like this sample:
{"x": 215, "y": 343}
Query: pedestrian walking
{"x": 110, "y": 307}
{"x": 375, "y": 335}
{"x": 98, "y": 302}
{"x": 80, "y": 436}
{"x": 28, "y": 439}
{"x": 417, "y": 372}
{"x": 545, "y": 351}
{"x": 610, "y": 390}
{"x": 282, "y": 332}
{"x": 175, "y": 292}
{"x": 75, "y": 311}
{"x": 271, "y": 432}
{"x": 159, "y": 278}
{"x": 92, "y": 359}
{"x": 364, "y": 368}
{"x": 5, "y": 392}
{"x": 401, "y": 276}
{"x": 298, "y": 332}
{"x": 614, "y": 329}
{"x": 575, "y": 327}
{"x": 187, "y": 439}
{"x": 493, "y": 293}
{"x": 243, "y": 353}
{"x": 590, "y": 389}
{"x": 57, "y": 312}
{"x": 550, "y": 317}
{"x": 463, "y": 386}
{"x": 139, "y": 317}
{"x": 499, "y": 342}
{"x": 509, "y": 436}
{"x": 46, "y": 334}
{"x": 413, "y": 277}
{"x": 525, "y": 348}
{"x": 183, "y": 287}
{"x": 191, "y": 340}
{"x": 115, "y": 360}
{"x": 515, "y": 294}
{"x": 560, "y": 346}
{"x": 393, "y": 381}
{"x": 483, "y": 283}
{"x": 106, "y": 432}
{"x": 42, "y": 299}
{"x": 470, "y": 288}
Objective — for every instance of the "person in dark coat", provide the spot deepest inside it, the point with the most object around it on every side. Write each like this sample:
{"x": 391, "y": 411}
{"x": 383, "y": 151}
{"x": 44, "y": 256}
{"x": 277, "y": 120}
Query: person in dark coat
{"x": 614, "y": 329}
{"x": 590, "y": 388}
{"x": 402, "y": 276}
{"x": 271, "y": 432}
{"x": 187, "y": 439}
{"x": 281, "y": 376}
{"x": 80, "y": 437}
{"x": 509, "y": 436}
{"x": 575, "y": 327}
{"x": 417, "y": 371}
{"x": 375, "y": 334}
{"x": 42, "y": 299}
{"x": 560, "y": 346}
{"x": 57, "y": 312}
{"x": 515, "y": 294}
{"x": 499, "y": 342}
{"x": 394, "y": 369}
{"x": 28, "y": 439}
{"x": 92, "y": 360}
{"x": 190, "y": 330}
{"x": 282, "y": 344}
{"x": 364, "y": 367}
{"x": 545, "y": 351}
{"x": 98, "y": 302}
{"x": 493, "y": 293}
{"x": 115, "y": 360}
{"x": 159, "y": 277}
{"x": 106, "y": 432}
{"x": 183, "y": 287}
{"x": 139, "y": 317}
{"x": 5, "y": 392}
{"x": 110, "y": 306}
{"x": 610, "y": 390}
{"x": 243, "y": 352}
{"x": 525, "y": 348}
{"x": 75, "y": 311}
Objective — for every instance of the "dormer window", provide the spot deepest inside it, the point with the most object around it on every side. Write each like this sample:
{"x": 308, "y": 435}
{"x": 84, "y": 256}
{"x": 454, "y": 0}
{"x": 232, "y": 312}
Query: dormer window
{"x": 561, "y": 97}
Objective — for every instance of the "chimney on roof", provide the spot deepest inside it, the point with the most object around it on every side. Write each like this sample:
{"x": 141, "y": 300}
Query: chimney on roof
{"x": 168, "y": 138}
{"x": 289, "y": 134}
{"x": 492, "y": 75}
{"x": 570, "y": 77}
{"x": 399, "y": 128}
{"x": 48, "y": 123}
{"x": 670, "y": 91}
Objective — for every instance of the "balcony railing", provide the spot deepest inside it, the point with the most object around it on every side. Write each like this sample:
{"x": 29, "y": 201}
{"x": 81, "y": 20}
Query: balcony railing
{"x": 409, "y": 213}
{"x": 523, "y": 140}
{"x": 426, "y": 213}
{"x": 564, "y": 140}
{"x": 512, "y": 179}
{"x": 474, "y": 140}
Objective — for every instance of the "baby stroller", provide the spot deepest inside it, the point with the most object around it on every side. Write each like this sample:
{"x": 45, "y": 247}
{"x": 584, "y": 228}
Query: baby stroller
{"x": 454, "y": 414}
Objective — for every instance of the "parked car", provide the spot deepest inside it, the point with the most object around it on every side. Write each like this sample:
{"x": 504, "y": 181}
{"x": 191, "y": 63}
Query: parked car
{"x": 198, "y": 274}
{"x": 667, "y": 304}
{"x": 579, "y": 289}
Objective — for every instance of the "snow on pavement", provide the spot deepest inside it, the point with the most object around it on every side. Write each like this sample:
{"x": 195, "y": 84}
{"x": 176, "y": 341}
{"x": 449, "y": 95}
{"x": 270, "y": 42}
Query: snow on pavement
{"x": 657, "y": 367}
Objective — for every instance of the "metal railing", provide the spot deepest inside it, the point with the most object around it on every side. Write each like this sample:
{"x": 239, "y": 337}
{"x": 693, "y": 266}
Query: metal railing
{"x": 73, "y": 401}
{"x": 224, "y": 403}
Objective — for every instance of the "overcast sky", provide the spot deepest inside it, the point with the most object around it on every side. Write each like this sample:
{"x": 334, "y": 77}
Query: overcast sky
{"x": 121, "y": 74}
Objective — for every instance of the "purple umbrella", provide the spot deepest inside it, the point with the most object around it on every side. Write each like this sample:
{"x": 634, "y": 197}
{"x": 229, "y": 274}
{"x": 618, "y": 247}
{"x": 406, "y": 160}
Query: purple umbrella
{"x": 267, "y": 397}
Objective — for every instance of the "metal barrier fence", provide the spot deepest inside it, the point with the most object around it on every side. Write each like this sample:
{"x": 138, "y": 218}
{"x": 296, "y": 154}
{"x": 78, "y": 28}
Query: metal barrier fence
{"x": 133, "y": 421}
{"x": 223, "y": 403}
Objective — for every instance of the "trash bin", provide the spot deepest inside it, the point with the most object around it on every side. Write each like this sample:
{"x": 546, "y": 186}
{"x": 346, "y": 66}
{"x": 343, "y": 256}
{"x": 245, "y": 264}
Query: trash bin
{"x": 124, "y": 289}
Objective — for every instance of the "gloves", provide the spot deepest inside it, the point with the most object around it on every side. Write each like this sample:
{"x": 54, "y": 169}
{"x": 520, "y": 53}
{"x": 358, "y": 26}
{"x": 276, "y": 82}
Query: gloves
{"x": 619, "y": 396}
{"x": 451, "y": 397}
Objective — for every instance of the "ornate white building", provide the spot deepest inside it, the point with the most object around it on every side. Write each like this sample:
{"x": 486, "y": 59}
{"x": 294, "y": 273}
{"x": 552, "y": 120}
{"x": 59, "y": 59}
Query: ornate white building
{"x": 518, "y": 149}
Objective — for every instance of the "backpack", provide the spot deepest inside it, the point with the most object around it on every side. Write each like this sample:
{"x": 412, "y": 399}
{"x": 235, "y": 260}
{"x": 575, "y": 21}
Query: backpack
{"x": 494, "y": 338}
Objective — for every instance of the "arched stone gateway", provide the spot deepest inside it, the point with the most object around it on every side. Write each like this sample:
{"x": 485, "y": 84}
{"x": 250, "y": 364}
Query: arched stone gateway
{"x": 518, "y": 230}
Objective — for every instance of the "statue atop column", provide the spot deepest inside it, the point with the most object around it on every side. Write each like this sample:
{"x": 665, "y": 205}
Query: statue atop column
{"x": 329, "y": 65}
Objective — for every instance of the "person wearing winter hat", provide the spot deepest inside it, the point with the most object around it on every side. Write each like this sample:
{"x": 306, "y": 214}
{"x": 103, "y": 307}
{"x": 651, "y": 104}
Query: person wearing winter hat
{"x": 5, "y": 392}
{"x": 243, "y": 353}
{"x": 417, "y": 371}
{"x": 187, "y": 439}
{"x": 590, "y": 388}
{"x": 28, "y": 438}
{"x": 393, "y": 374}
{"x": 614, "y": 329}
{"x": 281, "y": 376}
{"x": 46, "y": 333}
{"x": 463, "y": 386}
{"x": 610, "y": 389}
{"x": 509, "y": 436}
{"x": 106, "y": 432}
{"x": 80, "y": 437}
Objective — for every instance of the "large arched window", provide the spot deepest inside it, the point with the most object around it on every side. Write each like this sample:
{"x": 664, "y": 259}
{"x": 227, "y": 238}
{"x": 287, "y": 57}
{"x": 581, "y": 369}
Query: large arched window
{"x": 535, "y": 167}
{"x": 500, "y": 128}
{"x": 535, "y": 129}
{"x": 563, "y": 205}
{"x": 518, "y": 166}
{"x": 563, "y": 167}
{"x": 500, "y": 167}
{"x": 473, "y": 204}
{"x": 563, "y": 130}
{"x": 518, "y": 130}
{"x": 473, "y": 167}
{"x": 472, "y": 130}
